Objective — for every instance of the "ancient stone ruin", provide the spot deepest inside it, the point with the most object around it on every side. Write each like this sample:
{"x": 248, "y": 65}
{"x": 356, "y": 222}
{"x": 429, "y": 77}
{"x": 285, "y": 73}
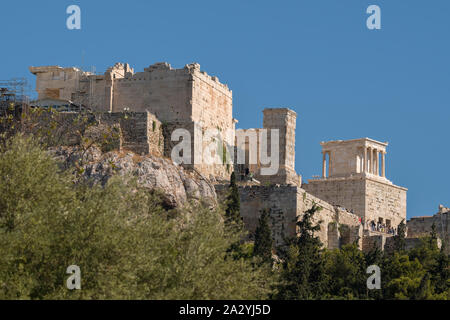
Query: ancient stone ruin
{"x": 359, "y": 204}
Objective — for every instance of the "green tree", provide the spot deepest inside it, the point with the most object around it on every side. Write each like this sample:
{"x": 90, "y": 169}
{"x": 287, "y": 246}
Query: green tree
{"x": 399, "y": 238}
{"x": 374, "y": 257}
{"x": 263, "y": 238}
{"x": 233, "y": 204}
{"x": 433, "y": 236}
{"x": 401, "y": 276}
{"x": 346, "y": 271}
{"x": 436, "y": 265}
{"x": 126, "y": 245}
{"x": 303, "y": 274}
{"x": 441, "y": 275}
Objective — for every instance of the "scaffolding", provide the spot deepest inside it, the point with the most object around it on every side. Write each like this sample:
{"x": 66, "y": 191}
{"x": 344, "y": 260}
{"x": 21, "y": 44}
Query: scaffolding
{"x": 13, "y": 95}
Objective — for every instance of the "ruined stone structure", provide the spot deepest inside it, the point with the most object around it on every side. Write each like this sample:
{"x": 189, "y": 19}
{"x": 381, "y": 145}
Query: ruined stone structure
{"x": 180, "y": 98}
{"x": 147, "y": 107}
{"x": 140, "y": 132}
{"x": 283, "y": 120}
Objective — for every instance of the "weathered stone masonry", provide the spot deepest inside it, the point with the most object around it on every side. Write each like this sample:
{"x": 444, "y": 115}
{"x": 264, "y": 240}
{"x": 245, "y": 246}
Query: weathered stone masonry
{"x": 356, "y": 182}
{"x": 148, "y": 106}
{"x": 174, "y": 96}
{"x": 421, "y": 226}
{"x": 286, "y": 204}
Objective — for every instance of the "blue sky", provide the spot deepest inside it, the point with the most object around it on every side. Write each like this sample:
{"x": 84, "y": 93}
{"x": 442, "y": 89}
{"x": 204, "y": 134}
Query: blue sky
{"x": 314, "y": 56}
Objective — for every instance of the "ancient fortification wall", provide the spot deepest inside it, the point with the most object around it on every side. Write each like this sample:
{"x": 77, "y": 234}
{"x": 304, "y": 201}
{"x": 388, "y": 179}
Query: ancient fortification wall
{"x": 369, "y": 198}
{"x": 421, "y": 226}
{"x": 347, "y": 193}
{"x": 286, "y": 204}
{"x": 186, "y": 94}
{"x": 141, "y": 132}
{"x": 385, "y": 201}
{"x": 280, "y": 201}
{"x": 174, "y": 96}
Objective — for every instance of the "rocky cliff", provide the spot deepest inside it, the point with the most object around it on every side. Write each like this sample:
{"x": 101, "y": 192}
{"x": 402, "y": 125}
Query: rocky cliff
{"x": 155, "y": 173}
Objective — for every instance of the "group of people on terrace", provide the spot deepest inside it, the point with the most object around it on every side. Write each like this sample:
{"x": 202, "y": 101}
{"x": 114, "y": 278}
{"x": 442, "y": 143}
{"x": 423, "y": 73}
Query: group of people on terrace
{"x": 381, "y": 227}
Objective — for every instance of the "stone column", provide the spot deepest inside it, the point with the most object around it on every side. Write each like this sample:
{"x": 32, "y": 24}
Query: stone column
{"x": 370, "y": 160}
{"x": 324, "y": 165}
{"x": 365, "y": 160}
{"x": 383, "y": 164}
{"x": 329, "y": 164}
{"x": 373, "y": 171}
{"x": 377, "y": 164}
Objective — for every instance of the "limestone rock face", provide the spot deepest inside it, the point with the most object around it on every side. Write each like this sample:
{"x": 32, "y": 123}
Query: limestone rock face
{"x": 177, "y": 184}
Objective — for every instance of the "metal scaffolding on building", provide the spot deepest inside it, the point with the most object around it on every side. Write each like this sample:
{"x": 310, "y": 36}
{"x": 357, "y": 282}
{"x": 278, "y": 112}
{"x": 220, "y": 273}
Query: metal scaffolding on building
{"x": 13, "y": 95}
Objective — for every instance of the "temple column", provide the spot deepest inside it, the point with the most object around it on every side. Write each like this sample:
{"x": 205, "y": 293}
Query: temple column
{"x": 324, "y": 165}
{"x": 365, "y": 160}
{"x": 329, "y": 164}
{"x": 383, "y": 164}
{"x": 377, "y": 162}
{"x": 370, "y": 160}
{"x": 374, "y": 152}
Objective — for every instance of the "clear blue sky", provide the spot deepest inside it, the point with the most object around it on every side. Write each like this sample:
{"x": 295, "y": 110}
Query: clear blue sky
{"x": 314, "y": 56}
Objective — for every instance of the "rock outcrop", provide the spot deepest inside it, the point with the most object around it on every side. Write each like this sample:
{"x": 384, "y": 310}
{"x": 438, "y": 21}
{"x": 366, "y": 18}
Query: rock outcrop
{"x": 155, "y": 173}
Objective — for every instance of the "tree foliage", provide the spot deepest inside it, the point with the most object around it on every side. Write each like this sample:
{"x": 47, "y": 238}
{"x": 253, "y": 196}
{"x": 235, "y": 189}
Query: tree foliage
{"x": 303, "y": 269}
{"x": 263, "y": 238}
{"x": 399, "y": 238}
{"x": 126, "y": 245}
{"x": 233, "y": 204}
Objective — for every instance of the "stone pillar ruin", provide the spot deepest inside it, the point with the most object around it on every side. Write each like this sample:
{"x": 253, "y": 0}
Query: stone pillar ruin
{"x": 284, "y": 120}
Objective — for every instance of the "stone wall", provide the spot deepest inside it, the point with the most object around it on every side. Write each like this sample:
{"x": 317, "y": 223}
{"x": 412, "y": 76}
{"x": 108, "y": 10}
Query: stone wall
{"x": 348, "y": 193}
{"x": 327, "y": 217}
{"x": 56, "y": 128}
{"x": 386, "y": 243}
{"x": 212, "y": 101}
{"x": 373, "y": 241}
{"x": 199, "y": 147}
{"x": 55, "y": 82}
{"x": 286, "y": 204}
{"x": 338, "y": 227}
{"x": 421, "y": 226}
{"x": 247, "y": 143}
{"x": 178, "y": 95}
{"x": 280, "y": 201}
{"x": 368, "y": 198}
{"x": 250, "y": 142}
{"x": 385, "y": 201}
{"x": 173, "y": 96}
{"x": 284, "y": 120}
{"x": 141, "y": 132}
